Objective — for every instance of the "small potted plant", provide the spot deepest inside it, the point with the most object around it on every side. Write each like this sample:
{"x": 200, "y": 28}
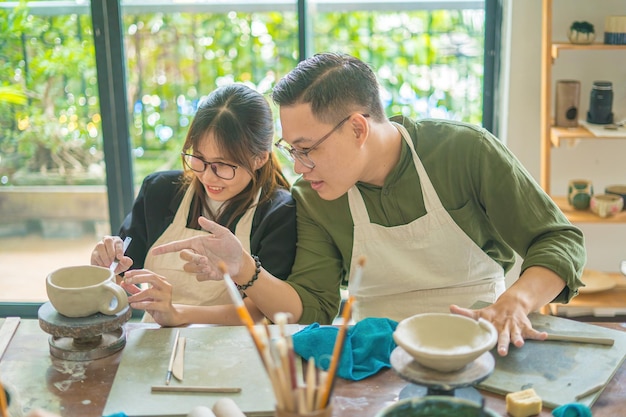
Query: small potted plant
{"x": 581, "y": 33}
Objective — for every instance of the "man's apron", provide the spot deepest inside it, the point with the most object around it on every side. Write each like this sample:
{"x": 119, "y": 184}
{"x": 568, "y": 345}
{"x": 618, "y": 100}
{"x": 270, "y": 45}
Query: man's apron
{"x": 185, "y": 288}
{"x": 423, "y": 266}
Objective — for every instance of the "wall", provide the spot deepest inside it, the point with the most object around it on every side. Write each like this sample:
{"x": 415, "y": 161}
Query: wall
{"x": 602, "y": 161}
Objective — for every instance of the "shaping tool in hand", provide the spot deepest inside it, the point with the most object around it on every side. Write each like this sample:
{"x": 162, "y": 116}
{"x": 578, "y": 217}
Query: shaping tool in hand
{"x": 168, "y": 376}
{"x": 116, "y": 262}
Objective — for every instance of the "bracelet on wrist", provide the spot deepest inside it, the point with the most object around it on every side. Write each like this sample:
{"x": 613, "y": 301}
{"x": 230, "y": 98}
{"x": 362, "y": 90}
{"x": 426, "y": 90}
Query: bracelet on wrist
{"x": 250, "y": 283}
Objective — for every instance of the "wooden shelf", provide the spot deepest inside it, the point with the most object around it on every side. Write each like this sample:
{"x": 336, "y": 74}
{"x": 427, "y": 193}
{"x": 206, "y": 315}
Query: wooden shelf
{"x": 586, "y": 216}
{"x": 562, "y": 46}
{"x": 557, "y": 134}
{"x": 551, "y": 136}
{"x": 609, "y": 303}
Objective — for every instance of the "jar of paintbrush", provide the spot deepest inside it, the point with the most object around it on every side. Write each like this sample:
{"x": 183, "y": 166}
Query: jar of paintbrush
{"x": 324, "y": 412}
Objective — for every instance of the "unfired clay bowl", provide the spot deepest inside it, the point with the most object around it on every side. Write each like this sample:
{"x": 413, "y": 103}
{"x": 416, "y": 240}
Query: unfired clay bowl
{"x": 445, "y": 342}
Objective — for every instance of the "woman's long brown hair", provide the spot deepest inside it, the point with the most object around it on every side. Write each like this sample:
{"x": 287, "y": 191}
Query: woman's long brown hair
{"x": 241, "y": 122}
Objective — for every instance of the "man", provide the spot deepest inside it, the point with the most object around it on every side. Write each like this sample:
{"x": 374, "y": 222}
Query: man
{"x": 437, "y": 208}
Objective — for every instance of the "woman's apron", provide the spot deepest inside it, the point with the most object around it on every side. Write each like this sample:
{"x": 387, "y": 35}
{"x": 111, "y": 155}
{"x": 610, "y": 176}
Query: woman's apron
{"x": 186, "y": 289}
{"x": 423, "y": 266}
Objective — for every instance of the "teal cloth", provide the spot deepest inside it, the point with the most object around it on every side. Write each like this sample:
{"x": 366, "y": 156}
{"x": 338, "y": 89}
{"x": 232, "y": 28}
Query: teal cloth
{"x": 572, "y": 410}
{"x": 366, "y": 350}
{"x": 117, "y": 415}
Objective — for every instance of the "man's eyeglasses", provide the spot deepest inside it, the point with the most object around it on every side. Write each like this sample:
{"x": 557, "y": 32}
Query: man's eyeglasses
{"x": 302, "y": 155}
{"x": 223, "y": 170}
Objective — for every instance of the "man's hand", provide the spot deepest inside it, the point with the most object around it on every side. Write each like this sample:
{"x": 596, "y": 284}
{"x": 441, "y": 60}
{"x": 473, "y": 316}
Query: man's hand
{"x": 203, "y": 253}
{"x": 510, "y": 321}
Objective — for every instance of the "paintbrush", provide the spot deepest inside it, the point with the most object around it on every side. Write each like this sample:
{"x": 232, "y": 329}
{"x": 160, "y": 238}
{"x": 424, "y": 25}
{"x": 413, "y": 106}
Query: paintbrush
{"x": 3, "y": 402}
{"x": 311, "y": 382}
{"x": 339, "y": 342}
{"x": 242, "y": 311}
{"x": 168, "y": 376}
{"x": 281, "y": 319}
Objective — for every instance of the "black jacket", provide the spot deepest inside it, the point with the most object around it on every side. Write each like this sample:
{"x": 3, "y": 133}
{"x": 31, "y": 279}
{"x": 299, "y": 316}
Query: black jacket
{"x": 273, "y": 236}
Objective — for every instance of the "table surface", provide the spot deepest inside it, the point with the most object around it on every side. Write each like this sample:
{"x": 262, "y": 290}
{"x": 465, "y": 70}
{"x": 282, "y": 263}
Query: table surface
{"x": 73, "y": 388}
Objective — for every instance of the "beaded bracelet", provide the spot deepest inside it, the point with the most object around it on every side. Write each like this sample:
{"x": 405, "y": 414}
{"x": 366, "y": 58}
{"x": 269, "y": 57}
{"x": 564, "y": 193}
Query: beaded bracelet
{"x": 257, "y": 263}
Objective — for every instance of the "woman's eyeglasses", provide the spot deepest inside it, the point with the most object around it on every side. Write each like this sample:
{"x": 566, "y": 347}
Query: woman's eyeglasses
{"x": 221, "y": 169}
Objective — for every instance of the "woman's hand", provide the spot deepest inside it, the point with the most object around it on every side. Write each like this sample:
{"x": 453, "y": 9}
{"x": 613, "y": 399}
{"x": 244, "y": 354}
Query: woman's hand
{"x": 203, "y": 253}
{"x": 108, "y": 250}
{"x": 156, "y": 299}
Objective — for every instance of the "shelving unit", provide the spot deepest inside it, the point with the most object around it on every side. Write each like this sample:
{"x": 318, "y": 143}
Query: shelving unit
{"x": 552, "y": 136}
{"x": 586, "y": 216}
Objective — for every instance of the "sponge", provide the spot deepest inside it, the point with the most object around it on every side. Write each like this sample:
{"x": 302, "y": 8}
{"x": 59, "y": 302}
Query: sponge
{"x": 523, "y": 403}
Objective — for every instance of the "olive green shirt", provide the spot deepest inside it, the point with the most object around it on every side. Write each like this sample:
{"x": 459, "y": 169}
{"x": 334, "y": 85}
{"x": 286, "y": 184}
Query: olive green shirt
{"x": 484, "y": 188}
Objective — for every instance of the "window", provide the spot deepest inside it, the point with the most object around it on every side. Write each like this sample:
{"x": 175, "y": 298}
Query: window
{"x": 428, "y": 55}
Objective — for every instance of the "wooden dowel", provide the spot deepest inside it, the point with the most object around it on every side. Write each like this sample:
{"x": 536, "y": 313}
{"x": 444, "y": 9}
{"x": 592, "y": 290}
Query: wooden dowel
{"x": 590, "y": 391}
{"x": 581, "y": 339}
{"x": 196, "y": 389}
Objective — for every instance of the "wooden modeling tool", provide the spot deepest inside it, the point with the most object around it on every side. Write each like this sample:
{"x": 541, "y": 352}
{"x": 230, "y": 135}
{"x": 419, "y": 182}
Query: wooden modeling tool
{"x": 581, "y": 339}
{"x": 590, "y": 391}
{"x": 195, "y": 389}
{"x": 179, "y": 359}
{"x": 7, "y": 330}
{"x": 116, "y": 262}
{"x": 168, "y": 376}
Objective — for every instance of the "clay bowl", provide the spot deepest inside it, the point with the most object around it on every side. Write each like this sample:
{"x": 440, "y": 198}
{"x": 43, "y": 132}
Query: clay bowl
{"x": 436, "y": 406}
{"x": 619, "y": 190}
{"x": 445, "y": 342}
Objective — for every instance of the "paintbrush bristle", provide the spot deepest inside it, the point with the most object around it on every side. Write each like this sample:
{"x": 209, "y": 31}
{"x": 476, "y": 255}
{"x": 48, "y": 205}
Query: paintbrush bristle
{"x": 361, "y": 261}
{"x": 222, "y": 266}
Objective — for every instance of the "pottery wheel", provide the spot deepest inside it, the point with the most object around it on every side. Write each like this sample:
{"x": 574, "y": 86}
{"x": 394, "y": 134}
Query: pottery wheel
{"x": 433, "y": 382}
{"x": 83, "y": 338}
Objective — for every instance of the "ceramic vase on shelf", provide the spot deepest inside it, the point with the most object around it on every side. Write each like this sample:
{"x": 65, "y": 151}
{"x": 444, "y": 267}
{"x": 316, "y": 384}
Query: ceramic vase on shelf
{"x": 605, "y": 205}
{"x": 582, "y": 33}
{"x": 579, "y": 194}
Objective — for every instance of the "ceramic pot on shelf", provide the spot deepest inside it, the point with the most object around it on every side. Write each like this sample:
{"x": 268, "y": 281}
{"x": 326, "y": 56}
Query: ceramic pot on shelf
{"x": 579, "y": 193}
{"x": 605, "y": 205}
{"x": 581, "y": 33}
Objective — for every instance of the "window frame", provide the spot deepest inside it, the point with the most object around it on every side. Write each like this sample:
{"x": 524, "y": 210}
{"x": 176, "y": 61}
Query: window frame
{"x": 110, "y": 61}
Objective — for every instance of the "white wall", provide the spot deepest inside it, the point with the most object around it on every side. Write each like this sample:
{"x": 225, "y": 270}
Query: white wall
{"x": 602, "y": 161}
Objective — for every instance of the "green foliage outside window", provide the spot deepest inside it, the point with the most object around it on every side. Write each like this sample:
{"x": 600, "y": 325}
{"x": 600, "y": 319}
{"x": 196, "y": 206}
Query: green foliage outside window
{"x": 429, "y": 64}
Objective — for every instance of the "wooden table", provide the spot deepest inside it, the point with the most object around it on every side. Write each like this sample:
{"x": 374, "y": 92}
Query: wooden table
{"x": 81, "y": 388}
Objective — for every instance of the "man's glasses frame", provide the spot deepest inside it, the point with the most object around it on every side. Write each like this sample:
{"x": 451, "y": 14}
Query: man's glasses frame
{"x": 216, "y": 167}
{"x": 302, "y": 155}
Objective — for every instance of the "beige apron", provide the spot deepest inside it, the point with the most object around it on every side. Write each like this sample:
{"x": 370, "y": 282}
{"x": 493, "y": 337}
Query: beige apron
{"x": 185, "y": 288}
{"x": 423, "y": 266}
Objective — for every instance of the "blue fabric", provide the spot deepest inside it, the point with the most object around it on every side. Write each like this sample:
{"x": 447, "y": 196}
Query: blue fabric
{"x": 117, "y": 415}
{"x": 366, "y": 350}
{"x": 572, "y": 410}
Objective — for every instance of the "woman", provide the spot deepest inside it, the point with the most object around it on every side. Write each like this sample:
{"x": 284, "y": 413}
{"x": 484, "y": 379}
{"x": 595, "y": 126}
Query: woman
{"x": 230, "y": 176}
